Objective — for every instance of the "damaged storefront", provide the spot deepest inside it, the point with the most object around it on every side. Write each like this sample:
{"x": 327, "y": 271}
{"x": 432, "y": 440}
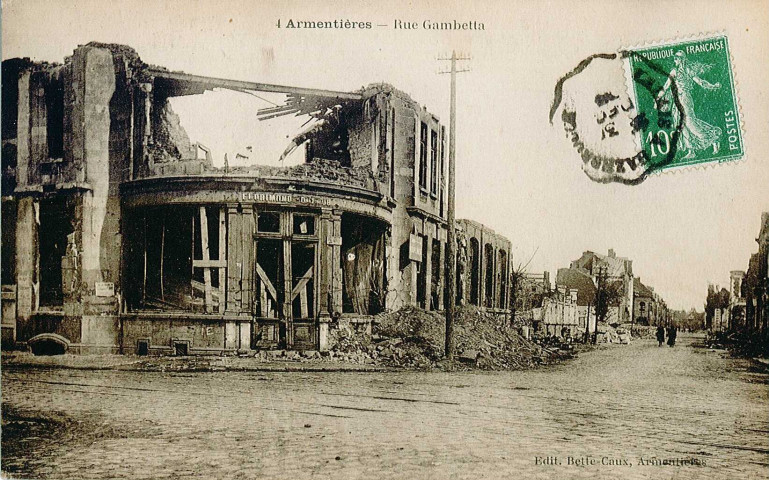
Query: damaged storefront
{"x": 131, "y": 235}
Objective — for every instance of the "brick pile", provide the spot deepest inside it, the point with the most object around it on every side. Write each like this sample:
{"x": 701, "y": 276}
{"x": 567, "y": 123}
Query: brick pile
{"x": 414, "y": 338}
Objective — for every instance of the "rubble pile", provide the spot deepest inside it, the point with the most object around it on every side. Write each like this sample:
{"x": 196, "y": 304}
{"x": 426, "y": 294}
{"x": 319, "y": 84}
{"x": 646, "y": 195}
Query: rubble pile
{"x": 318, "y": 170}
{"x": 414, "y": 338}
{"x": 408, "y": 338}
{"x": 497, "y": 347}
{"x": 609, "y": 334}
{"x": 350, "y": 346}
{"x": 644, "y": 331}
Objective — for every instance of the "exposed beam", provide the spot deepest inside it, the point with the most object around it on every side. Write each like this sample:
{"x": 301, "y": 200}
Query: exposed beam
{"x": 266, "y": 282}
{"x": 212, "y": 82}
{"x": 305, "y": 279}
{"x": 209, "y": 263}
{"x": 206, "y": 258}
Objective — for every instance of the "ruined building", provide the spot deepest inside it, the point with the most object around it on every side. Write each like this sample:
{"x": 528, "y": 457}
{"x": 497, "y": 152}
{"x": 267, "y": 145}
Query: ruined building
{"x": 120, "y": 233}
{"x": 618, "y": 270}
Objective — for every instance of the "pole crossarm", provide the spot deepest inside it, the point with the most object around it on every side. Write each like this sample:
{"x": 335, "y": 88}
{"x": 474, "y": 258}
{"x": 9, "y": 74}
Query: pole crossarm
{"x": 457, "y": 71}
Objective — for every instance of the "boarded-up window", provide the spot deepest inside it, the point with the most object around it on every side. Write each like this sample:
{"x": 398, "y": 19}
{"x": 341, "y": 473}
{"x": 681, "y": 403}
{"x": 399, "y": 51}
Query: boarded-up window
{"x": 176, "y": 258}
{"x": 363, "y": 265}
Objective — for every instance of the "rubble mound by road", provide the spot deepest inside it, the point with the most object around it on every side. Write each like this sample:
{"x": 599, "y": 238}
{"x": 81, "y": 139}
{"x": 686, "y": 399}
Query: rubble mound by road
{"x": 609, "y": 334}
{"x": 412, "y": 337}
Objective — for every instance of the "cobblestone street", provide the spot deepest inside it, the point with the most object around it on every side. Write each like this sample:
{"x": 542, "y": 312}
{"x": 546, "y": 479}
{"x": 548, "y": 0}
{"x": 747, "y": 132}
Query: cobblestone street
{"x": 617, "y": 405}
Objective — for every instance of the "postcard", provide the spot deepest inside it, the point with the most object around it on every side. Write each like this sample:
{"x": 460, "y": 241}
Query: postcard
{"x": 293, "y": 239}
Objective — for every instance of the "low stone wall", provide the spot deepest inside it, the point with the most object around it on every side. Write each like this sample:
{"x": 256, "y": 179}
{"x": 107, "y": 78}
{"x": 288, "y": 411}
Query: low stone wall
{"x": 158, "y": 334}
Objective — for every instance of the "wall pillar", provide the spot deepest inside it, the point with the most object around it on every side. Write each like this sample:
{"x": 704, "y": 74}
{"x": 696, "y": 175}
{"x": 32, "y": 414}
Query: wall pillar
{"x": 97, "y": 91}
{"x": 325, "y": 274}
{"x": 428, "y": 266}
{"x": 442, "y": 279}
{"x": 22, "y": 138}
{"x": 327, "y": 241}
{"x": 248, "y": 259}
{"x": 336, "y": 263}
{"x": 27, "y": 279}
{"x": 234, "y": 261}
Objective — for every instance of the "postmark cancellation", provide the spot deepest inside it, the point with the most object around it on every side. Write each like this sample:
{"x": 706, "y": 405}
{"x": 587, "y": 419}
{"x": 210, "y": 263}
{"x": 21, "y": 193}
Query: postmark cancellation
{"x": 652, "y": 108}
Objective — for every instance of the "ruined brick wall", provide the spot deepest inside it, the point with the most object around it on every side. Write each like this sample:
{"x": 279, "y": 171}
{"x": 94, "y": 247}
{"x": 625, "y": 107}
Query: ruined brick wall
{"x": 170, "y": 141}
{"x": 485, "y": 236}
{"x": 359, "y": 137}
{"x": 73, "y": 130}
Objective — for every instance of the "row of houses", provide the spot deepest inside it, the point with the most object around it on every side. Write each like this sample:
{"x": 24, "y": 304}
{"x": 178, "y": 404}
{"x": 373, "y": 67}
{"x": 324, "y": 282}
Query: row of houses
{"x": 744, "y": 306}
{"x": 123, "y": 234}
{"x": 570, "y": 307}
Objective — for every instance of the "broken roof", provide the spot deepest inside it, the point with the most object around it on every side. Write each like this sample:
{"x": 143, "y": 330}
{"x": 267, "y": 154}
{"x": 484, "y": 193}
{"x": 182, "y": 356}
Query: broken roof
{"x": 299, "y": 100}
{"x": 641, "y": 290}
{"x": 577, "y": 279}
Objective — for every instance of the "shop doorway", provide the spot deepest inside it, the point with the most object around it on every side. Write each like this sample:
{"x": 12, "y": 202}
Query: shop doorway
{"x": 285, "y": 300}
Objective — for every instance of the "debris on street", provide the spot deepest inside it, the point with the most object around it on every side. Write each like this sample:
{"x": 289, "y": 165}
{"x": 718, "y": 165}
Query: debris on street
{"x": 414, "y": 338}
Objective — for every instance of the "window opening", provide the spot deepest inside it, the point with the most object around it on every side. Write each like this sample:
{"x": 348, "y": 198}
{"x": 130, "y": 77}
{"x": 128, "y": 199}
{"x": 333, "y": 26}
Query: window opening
{"x": 423, "y": 157}
{"x": 269, "y": 222}
{"x": 475, "y": 262}
{"x": 56, "y": 217}
{"x": 433, "y": 162}
{"x": 489, "y": 283}
{"x": 269, "y": 278}
{"x": 304, "y": 224}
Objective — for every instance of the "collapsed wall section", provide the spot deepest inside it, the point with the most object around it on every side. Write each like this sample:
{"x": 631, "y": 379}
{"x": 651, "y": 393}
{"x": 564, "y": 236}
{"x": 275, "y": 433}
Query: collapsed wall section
{"x": 72, "y": 142}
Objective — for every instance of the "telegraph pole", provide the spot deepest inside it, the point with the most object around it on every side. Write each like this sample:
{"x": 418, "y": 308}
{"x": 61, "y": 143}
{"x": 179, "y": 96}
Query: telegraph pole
{"x": 451, "y": 248}
{"x": 587, "y": 324}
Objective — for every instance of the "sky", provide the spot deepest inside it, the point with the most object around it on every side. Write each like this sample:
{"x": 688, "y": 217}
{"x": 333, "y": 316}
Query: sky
{"x": 516, "y": 172}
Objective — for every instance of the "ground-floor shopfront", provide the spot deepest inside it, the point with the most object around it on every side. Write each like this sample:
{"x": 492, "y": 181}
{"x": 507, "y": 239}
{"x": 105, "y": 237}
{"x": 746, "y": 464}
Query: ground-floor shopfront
{"x": 194, "y": 266}
{"x": 212, "y": 270}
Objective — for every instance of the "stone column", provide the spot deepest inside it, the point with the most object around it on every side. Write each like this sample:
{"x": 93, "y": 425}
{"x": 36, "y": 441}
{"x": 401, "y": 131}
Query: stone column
{"x": 442, "y": 282}
{"x": 27, "y": 279}
{"x": 325, "y": 255}
{"x": 428, "y": 266}
{"x": 248, "y": 259}
{"x": 336, "y": 263}
{"x": 22, "y": 138}
{"x": 98, "y": 88}
{"x": 234, "y": 260}
{"x": 481, "y": 270}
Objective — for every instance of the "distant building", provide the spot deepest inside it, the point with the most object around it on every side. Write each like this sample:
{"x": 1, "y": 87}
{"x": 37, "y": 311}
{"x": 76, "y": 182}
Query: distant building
{"x": 736, "y": 299}
{"x": 582, "y": 283}
{"x": 529, "y": 290}
{"x": 537, "y": 283}
{"x": 617, "y": 269}
{"x": 720, "y": 320}
{"x": 755, "y": 286}
{"x": 645, "y": 304}
{"x": 559, "y": 314}
{"x": 483, "y": 265}
{"x": 717, "y": 309}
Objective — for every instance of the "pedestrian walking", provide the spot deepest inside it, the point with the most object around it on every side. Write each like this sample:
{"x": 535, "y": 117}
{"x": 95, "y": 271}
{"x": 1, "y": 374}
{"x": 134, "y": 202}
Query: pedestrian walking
{"x": 661, "y": 335}
{"x": 672, "y": 336}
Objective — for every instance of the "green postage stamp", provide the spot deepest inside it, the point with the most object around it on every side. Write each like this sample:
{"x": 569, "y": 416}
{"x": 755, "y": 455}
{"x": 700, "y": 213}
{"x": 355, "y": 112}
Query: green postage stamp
{"x": 685, "y": 94}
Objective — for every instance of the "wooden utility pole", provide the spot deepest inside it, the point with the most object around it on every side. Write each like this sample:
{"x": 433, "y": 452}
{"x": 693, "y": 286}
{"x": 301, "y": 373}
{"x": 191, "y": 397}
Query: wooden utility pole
{"x": 451, "y": 247}
{"x": 587, "y": 323}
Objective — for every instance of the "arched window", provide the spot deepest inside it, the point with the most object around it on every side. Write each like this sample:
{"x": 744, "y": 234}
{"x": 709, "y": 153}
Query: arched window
{"x": 475, "y": 265}
{"x": 488, "y": 265}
